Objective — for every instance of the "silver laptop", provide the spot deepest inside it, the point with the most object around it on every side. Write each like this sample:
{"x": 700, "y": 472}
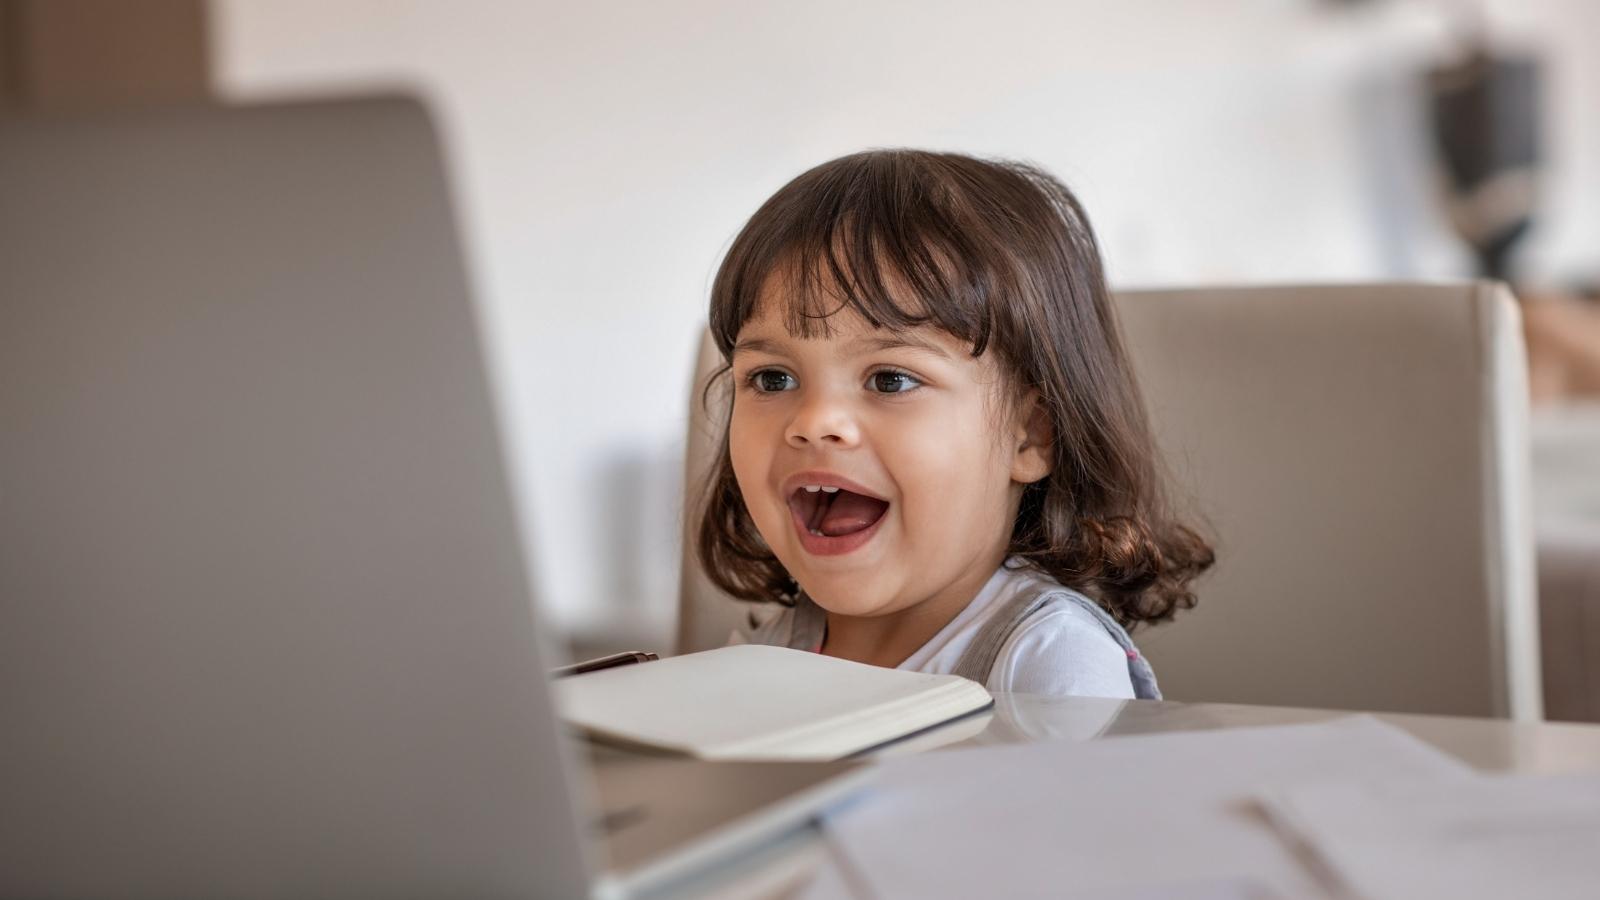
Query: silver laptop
{"x": 264, "y": 626}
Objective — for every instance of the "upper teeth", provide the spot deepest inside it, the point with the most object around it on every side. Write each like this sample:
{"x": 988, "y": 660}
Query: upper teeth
{"x": 813, "y": 488}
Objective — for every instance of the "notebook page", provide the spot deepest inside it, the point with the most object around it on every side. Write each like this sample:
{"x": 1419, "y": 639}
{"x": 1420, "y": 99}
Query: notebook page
{"x": 758, "y": 701}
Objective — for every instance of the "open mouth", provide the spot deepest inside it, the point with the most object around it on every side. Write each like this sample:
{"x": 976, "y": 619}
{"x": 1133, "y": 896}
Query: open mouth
{"x": 835, "y": 511}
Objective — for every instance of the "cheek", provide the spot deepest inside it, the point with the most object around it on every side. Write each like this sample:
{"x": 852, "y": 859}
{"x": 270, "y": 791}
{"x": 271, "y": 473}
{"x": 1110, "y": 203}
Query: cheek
{"x": 750, "y": 450}
{"x": 953, "y": 478}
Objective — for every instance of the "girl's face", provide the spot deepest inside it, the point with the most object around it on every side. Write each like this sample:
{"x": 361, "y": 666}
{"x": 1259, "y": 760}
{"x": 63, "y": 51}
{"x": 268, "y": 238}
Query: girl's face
{"x": 883, "y": 468}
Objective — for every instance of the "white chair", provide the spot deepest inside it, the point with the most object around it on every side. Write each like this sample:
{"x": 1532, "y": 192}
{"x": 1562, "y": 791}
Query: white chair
{"x": 1359, "y": 456}
{"x": 706, "y": 616}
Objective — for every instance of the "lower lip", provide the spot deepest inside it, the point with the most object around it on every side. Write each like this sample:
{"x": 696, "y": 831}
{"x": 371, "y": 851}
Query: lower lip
{"x": 823, "y": 545}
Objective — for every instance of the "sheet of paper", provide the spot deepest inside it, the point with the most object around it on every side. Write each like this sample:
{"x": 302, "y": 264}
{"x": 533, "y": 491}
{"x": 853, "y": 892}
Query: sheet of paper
{"x": 1118, "y": 817}
{"x": 1493, "y": 837}
{"x": 833, "y": 881}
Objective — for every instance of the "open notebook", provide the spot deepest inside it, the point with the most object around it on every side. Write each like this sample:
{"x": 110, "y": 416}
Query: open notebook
{"x": 756, "y": 702}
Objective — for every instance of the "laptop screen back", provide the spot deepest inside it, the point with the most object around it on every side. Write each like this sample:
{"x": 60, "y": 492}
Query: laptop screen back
{"x": 264, "y": 626}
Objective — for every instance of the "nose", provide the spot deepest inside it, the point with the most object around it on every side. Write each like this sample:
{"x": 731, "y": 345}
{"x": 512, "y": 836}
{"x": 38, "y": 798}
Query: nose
{"x": 823, "y": 419}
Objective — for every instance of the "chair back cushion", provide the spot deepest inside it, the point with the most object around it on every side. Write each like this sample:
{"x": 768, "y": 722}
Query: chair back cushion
{"x": 1358, "y": 454}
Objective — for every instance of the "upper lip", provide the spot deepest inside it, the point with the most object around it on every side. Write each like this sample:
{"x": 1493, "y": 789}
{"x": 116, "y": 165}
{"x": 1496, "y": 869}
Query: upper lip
{"x": 827, "y": 479}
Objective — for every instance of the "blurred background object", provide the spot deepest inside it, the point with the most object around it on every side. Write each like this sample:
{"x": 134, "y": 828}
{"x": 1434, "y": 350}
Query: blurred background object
{"x": 605, "y": 153}
{"x": 1486, "y": 122}
{"x": 58, "y": 54}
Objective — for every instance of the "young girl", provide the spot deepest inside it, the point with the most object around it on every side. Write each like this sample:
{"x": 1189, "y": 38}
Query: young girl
{"x": 936, "y": 457}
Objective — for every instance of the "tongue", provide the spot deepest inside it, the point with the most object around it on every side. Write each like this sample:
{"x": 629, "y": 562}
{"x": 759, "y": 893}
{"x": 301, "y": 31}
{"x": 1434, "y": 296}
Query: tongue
{"x": 849, "y": 513}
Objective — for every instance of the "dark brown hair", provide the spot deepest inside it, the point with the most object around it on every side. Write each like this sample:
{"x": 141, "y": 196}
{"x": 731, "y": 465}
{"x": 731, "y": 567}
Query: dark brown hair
{"x": 1000, "y": 255}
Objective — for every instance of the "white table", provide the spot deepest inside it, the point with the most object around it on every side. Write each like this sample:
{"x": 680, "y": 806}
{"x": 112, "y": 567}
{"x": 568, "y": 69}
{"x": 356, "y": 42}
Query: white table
{"x": 779, "y": 870}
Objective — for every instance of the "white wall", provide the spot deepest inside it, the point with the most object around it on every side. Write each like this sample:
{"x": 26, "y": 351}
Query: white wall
{"x": 605, "y": 153}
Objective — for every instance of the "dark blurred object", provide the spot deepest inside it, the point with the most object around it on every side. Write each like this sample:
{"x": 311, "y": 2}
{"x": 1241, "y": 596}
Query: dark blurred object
{"x": 625, "y": 658}
{"x": 1486, "y": 123}
{"x": 78, "y": 54}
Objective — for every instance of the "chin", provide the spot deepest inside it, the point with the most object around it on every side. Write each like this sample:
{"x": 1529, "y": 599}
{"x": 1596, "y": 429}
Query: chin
{"x": 854, "y": 610}
{"x": 846, "y": 595}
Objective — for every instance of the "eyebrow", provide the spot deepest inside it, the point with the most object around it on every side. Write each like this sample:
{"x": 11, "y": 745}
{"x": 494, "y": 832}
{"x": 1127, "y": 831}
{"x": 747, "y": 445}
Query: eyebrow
{"x": 895, "y": 342}
{"x": 755, "y": 345}
{"x": 900, "y": 342}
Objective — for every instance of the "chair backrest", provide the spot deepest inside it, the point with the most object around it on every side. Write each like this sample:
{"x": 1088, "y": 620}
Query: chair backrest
{"x": 1359, "y": 456}
{"x": 706, "y": 616}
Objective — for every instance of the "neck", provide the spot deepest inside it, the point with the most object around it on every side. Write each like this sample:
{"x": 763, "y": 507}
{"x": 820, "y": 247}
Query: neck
{"x": 888, "y": 640}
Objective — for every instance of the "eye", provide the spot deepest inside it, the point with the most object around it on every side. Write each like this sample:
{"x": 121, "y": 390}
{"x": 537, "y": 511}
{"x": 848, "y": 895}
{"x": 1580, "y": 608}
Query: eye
{"x": 771, "y": 381}
{"x": 891, "y": 381}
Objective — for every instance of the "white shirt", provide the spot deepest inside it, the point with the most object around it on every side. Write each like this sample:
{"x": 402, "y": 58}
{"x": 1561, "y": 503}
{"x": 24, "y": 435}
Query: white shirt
{"x": 1060, "y": 650}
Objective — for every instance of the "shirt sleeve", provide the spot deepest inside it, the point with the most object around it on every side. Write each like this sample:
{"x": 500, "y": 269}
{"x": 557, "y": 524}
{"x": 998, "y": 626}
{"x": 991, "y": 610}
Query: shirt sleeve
{"x": 1062, "y": 651}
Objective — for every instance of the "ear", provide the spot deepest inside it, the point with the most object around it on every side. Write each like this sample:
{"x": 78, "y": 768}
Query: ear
{"x": 1034, "y": 440}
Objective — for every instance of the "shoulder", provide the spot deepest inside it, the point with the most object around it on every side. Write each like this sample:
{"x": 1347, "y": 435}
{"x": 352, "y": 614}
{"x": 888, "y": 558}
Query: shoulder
{"x": 768, "y": 624}
{"x": 1062, "y": 650}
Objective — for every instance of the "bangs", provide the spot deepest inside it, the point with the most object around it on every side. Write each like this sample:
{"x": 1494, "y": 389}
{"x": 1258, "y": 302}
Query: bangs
{"x": 886, "y": 235}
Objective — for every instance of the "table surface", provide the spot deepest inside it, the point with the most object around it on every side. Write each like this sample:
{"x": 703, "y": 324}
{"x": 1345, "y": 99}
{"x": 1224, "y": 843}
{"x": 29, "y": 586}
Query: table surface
{"x": 1495, "y": 745}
